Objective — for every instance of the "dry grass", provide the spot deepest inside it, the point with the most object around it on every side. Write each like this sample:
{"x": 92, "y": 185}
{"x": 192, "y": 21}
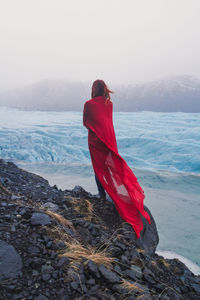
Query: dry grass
{"x": 90, "y": 208}
{"x": 58, "y": 234}
{"x": 82, "y": 207}
{"x": 27, "y": 203}
{"x": 163, "y": 262}
{"x": 166, "y": 290}
{"x": 138, "y": 262}
{"x": 140, "y": 250}
{"x": 4, "y": 190}
{"x": 60, "y": 219}
{"x": 155, "y": 266}
{"x": 114, "y": 237}
{"x": 130, "y": 286}
{"x": 76, "y": 252}
{"x": 85, "y": 207}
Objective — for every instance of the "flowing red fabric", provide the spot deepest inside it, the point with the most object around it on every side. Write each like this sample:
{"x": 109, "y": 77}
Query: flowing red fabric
{"x": 111, "y": 169}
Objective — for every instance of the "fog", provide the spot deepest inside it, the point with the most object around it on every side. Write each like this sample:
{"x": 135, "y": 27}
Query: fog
{"x": 120, "y": 41}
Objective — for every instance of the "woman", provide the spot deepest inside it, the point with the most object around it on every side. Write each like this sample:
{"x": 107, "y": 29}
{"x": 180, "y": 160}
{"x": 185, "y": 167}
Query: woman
{"x": 111, "y": 171}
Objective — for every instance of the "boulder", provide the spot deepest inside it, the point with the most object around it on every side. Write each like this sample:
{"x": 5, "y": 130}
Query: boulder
{"x": 10, "y": 261}
{"x": 40, "y": 219}
{"x": 149, "y": 238}
{"x": 51, "y": 206}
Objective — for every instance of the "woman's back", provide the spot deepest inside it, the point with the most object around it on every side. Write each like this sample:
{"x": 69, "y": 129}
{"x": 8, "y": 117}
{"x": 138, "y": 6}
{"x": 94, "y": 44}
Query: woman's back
{"x": 98, "y": 117}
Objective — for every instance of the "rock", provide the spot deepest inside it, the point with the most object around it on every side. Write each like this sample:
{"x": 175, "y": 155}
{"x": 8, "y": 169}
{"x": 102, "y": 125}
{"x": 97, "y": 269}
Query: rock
{"x": 40, "y": 219}
{"x": 117, "y": 269}
{"x": 149, "y": 236}
{"x": 63, "y": 261}
{"x": 55, "y": 274}
{"x": 196, "y": 288}
{"x": 14, "y": 197}
{"x": 33, "y": 250}
{"x": 144, "y": 297}
{"x": 53, "y": 254}
{"x": 141, "y": 288}
{"x": 148, "y": 276}
{"x": 46, "y": 276}
{"x": 41, "y": 297}
{"x": 23, "y": 212}
{"x": 121, "y": 246}
{"x": 65, "y": 297}
{"x": 11, "y": 287}
{"x": 91, "y": 281}
{"x": 130, "y": 274}
{"x": 72, "y": 275}
{"x": 124, "y": 260}
{"x": 137, "y": 270}
{"x": 10, "y": 262}
{"x": 82, "y": 278}
{"x": 160, "y": 287}
{"x": 131, "y": 297}
{"x": 93, "y": 268}
{"x": 49, "y": 244}
{"x": 62, "y": 294}
{"x": 13, "y": 228}
{"x": 47, "y": 269}
{"x": 60, "y": 245}
{"x": 35, "y": 273}
{"x": 109, "y": 275}
{"x": 74, "y": 285}
{"x": 80, "y": 192}
{"x": 119, "y": 289}
{"x": 51, "y": 206}
{"x": 36, "y": 261}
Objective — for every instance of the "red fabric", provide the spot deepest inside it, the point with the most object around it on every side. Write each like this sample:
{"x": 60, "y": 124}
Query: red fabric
{"x": 111, "y": 169}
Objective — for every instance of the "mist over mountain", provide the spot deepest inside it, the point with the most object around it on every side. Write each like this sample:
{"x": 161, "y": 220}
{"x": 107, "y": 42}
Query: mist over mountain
{"x": 172, "y": 94}
{"x": 47, "y": 95}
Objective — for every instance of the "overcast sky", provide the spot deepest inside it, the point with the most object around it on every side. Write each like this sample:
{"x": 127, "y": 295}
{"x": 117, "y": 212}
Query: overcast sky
{"x": 120, "y": 41}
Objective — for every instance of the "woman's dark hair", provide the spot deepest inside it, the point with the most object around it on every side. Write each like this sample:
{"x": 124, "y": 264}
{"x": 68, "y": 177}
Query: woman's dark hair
{"x": 99, "y": 88}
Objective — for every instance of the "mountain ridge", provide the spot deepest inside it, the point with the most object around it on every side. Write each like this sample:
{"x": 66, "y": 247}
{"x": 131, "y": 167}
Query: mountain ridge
{"x": 170, "y": 94}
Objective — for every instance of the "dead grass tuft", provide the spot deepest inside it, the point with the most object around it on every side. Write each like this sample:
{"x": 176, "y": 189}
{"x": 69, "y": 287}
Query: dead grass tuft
{"x": 57, "y": 233}
{"x": 165, "y": 292}
{"x": 138, "y": 262}
{"x": 90, "y": 208}
{"x": 60, "y": 219}
{"x": 82, "y": 207}
{"x": 163, "y": 262}
{"x": 130, "y": 286}
{"x": 76, "y": 252}
{"x": 4, "y": 190}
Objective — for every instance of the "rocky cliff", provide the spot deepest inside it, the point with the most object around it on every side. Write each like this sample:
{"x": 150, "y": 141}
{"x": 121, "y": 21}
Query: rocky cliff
{"x": 68, "y": 244}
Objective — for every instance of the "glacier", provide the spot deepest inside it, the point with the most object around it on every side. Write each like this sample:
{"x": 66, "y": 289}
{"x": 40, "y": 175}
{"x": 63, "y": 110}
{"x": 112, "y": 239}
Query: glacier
{"x": 147, "y": 140}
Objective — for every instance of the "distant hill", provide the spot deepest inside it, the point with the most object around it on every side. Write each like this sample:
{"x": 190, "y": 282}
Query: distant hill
{"x": 173, "y": 94}
{"x": 50, "y": 95}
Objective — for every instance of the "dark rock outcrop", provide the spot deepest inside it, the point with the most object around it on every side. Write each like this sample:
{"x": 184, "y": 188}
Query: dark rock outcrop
{"x": 10, "y": 262}
{"x": 70, "y": 245}
{"x": 40, "y": 219}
